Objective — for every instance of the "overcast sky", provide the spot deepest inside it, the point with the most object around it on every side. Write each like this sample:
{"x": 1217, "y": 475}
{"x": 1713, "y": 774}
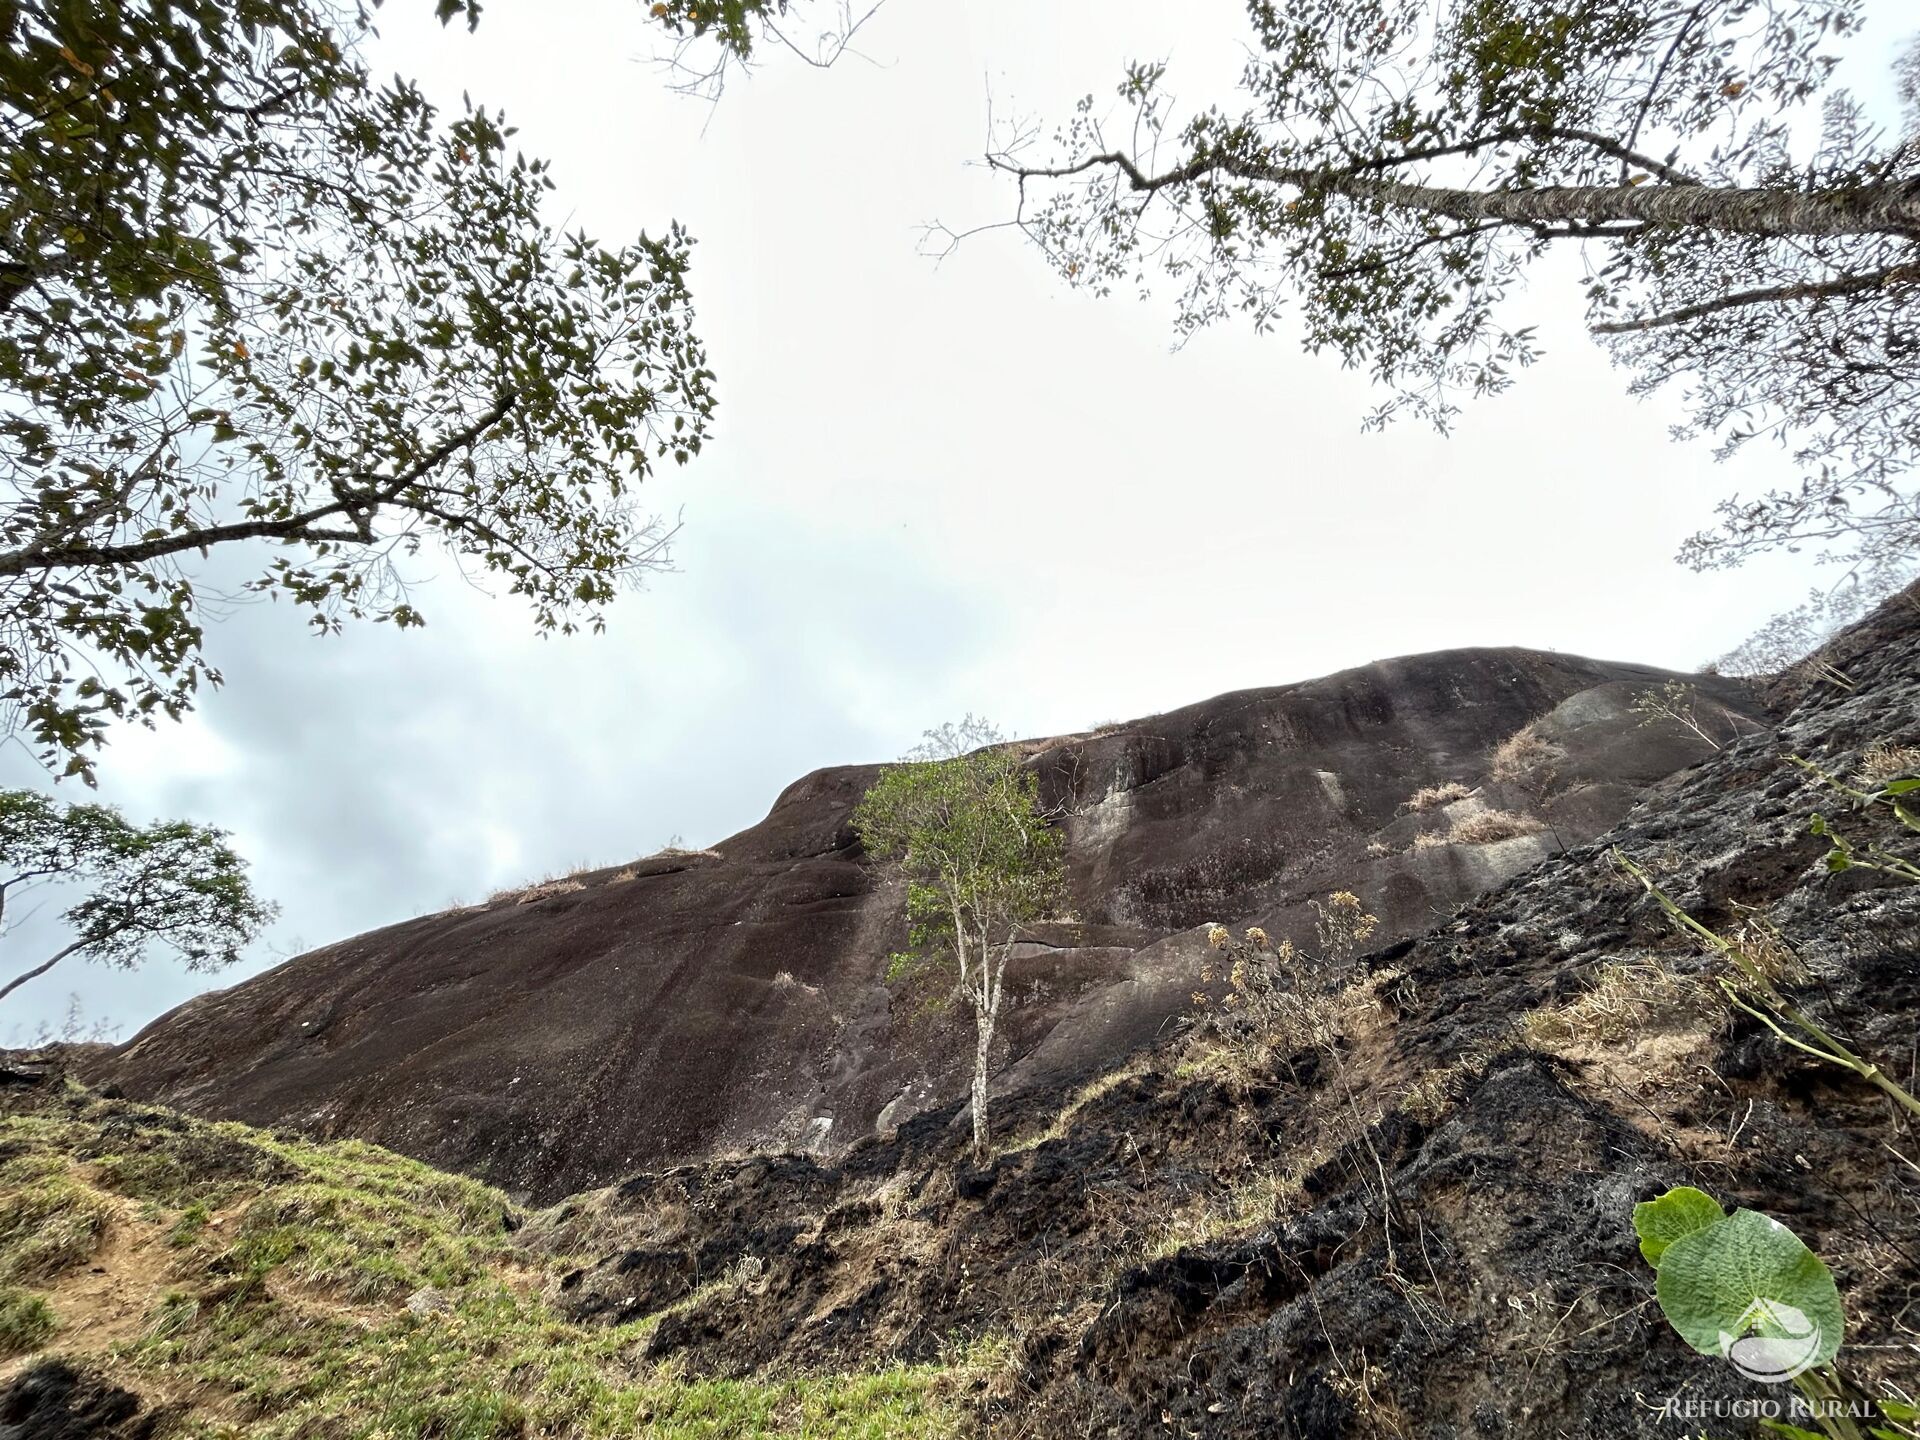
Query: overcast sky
{"x": 933, "y": 489}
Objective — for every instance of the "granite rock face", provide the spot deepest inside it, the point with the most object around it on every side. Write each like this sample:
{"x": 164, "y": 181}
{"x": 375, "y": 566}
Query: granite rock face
{"x": 1422, "y": 1230}
{"x": 693, "y": 1004}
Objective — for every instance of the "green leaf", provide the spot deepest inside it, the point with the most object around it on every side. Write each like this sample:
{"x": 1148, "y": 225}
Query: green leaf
{"x": 1748, "y": 1289}
{"x": 1900, "y": 787}
{"x": 1679, "y": 1212}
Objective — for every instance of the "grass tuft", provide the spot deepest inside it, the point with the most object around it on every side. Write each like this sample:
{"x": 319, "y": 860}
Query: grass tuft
{"x": 26, "y": 1321}
{"x": 1427, "y": 797}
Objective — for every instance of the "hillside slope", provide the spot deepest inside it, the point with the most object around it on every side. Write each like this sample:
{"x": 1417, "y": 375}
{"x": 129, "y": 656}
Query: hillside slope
{"x": 692, "y": 1004}
{"x": 1424, "y": 1230}
{"x": 162, "y": 1278}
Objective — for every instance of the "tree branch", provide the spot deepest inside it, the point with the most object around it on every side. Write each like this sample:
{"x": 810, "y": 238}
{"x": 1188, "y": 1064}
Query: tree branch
{"x": 1859, "y": 210}
{"x": 1806, "y": 290}
{"x": 291, "y": 527}
{"x": 1605, "y": 144}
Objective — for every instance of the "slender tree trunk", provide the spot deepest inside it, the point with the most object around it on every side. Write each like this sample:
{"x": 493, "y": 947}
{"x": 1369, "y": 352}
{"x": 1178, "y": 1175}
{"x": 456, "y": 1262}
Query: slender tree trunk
{"x": 1861, "y": 210}
{"x": 38, "y": 970}
{"x": 1869, "y": 210}
{"x": 982, "y": 1051}
{"x": 986, "y": 1013}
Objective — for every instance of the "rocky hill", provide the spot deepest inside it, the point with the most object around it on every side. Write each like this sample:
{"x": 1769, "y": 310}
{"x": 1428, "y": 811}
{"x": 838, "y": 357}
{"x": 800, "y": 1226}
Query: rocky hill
{"x": 1407, "y": 1214}
{"x": 694, "y": 1004}
{"x": 1421, "y": 1227}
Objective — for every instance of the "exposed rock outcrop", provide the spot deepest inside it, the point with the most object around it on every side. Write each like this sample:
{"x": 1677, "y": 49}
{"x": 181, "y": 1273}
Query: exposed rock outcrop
{"x": 1432, "y": 1235}
{"x": 696, "y": 1003}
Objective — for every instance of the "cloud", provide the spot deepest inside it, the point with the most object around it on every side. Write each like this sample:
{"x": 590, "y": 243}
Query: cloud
{"x": 934, "y": 489}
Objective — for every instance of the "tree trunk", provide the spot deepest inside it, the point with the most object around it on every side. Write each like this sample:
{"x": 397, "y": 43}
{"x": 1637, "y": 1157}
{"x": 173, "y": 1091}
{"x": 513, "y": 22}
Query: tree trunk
{"x": 38, "y": 970}
{"x": 1861, "y": 210}
{"x": 983, "y": 1018}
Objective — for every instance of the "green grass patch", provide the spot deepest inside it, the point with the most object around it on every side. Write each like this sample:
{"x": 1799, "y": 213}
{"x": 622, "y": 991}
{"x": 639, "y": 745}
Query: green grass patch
{"x": 291, "y": 1264}
{"x": 50, "y": 1220}
{"x": 26, "y": 1321}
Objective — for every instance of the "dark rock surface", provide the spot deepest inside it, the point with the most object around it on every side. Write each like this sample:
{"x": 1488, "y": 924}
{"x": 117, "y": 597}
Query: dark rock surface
{"x": 1431, "y": 1236}
{"x": 694, "y": 1004}
{"x": 53, "y": 1401}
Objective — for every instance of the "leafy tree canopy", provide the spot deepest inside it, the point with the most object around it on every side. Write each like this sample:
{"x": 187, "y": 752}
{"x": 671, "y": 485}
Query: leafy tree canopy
{"x": 1391, "y": 172}
{"x": 169, "y": 884}
{"x": 251, "y": 297}
{"x": 969, "y": 836}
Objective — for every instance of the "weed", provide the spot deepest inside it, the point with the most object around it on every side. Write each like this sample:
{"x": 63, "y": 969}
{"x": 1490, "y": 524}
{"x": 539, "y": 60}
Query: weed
{"x": 1750, "y": 986}
{"x": 1901, "y": 796}
{"x": 1679, "y": 703}
{"x": 1745, "y": 1287}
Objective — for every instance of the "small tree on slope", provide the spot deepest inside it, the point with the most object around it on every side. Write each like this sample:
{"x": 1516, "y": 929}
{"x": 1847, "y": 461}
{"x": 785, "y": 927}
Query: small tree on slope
{"x": 968, "y": 836}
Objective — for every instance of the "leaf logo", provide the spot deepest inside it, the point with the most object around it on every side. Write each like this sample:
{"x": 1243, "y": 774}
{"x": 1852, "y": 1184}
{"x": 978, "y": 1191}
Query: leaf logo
{"x": 1773, "y": 1342}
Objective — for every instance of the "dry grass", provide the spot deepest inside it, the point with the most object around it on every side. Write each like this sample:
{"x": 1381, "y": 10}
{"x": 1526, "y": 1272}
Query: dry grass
{"x": 539, "y": 890}
{"x": 1429, "y": 796}
{"x": 1484, "y": 828}
{"x": 1490, "y": 826}
{"x": 1435, "y": 1092}
{"x": 1082, "y": 1098}
{"x": 1250, "y": 1203}
{"x": 1379, "y": 848}
{"x": 1884, "y": 762}
{"x": 1524, "y": 756}
{"x": 1626, "y": 1000}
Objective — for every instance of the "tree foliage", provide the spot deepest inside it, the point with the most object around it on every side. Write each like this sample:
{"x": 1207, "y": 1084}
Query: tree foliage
{"x": 709, "y": 40}
{"x": 980, "y": 860}
{"x": 251, "y": 297}
{"x": 953, "y": 738}
{"x": 170, "y": 884}
{"x": 1392, "y": 172}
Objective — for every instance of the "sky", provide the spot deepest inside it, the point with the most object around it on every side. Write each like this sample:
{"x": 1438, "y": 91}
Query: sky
{"x": 933, "y": 488}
